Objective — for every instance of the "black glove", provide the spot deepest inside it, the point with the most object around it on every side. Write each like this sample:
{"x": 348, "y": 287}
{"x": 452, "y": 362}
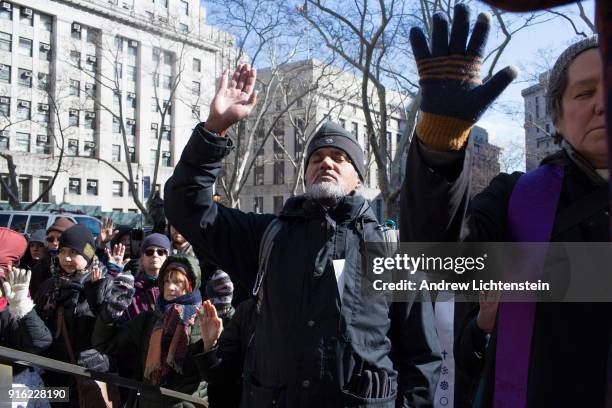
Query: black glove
{"x": 120, "y": 296}
{"x": 453, "y": 96}
{"x": 69, "y": 291}
{"x": 93, "y": 360}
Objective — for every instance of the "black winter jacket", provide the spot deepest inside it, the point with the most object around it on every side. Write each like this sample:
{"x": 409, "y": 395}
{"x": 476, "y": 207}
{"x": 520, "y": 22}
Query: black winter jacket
{"x": 308, "y": 343}
{"x": 568, "y": 337}
{"x": 27, "y": 334}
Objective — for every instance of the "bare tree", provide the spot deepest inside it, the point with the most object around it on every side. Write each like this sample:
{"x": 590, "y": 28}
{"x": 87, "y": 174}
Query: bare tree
{"x": 55, "y": 129}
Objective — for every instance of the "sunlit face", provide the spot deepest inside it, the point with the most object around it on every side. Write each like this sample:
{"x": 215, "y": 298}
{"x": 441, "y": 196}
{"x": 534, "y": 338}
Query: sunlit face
{"x": 332, "y": 166}
{"x": 53, "y": 238}
{"x": 582, "y": 121}
{"x": 175, "y": 284}
{"x": 37, "y": 250}
{"x": 71, "y": 261}
{"x": 152, "y": 259}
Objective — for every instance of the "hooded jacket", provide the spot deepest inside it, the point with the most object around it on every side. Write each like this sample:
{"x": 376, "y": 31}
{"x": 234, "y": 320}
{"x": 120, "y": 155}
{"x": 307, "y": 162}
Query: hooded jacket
{"x": 118, "y": 337}
{"x": 308, "y": 344}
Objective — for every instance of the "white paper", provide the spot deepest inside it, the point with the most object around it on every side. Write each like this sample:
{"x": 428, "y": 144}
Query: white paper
{"x": 339, "y": 272}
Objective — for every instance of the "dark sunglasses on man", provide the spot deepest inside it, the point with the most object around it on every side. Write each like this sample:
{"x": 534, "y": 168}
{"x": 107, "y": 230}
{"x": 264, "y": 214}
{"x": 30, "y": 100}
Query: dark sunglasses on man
{"x": 159, "y": 251}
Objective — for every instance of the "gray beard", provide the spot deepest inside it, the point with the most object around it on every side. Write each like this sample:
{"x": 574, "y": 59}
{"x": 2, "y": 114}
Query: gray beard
{"x": 326, "y": 193}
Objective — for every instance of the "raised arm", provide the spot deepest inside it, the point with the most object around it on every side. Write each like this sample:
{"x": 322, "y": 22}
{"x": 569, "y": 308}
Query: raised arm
{"x": 224, "y": 236}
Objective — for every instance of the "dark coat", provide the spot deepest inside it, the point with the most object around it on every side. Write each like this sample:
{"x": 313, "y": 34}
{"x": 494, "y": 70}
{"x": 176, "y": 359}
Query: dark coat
{"x": 27, "y": 334}
{"x": 120, "y": 337}
{"x": 307, "y": 344}
{"x": 221, "y": 367}
{"x": 567, "y": 338}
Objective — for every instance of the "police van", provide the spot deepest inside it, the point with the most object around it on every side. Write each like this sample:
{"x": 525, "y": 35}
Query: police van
{"x": 27, "y": 222}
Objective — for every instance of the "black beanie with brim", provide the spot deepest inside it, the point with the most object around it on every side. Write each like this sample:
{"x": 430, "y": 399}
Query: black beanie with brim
{"x": 331, "y": 134}
{"x": 80, "y": 239}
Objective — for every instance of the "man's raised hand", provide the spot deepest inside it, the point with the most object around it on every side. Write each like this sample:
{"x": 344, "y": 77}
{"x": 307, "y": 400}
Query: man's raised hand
{"x": 234, "y": 100}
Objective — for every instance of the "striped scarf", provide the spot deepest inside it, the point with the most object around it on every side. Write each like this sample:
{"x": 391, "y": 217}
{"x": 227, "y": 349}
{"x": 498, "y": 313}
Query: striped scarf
{"x": 170, "y": 337}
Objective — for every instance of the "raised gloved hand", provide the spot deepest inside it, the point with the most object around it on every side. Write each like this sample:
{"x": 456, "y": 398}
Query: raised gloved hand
{"x": 93, "y": 360}
{"x": 16, "y": 291}
{"x": 120, "y": 296}
{"x": 453, "y": 95}
{"x": 220, "y": 291}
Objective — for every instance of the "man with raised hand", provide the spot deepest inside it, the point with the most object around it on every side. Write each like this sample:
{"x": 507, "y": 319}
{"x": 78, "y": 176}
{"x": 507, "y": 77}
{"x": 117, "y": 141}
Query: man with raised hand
{"x": 317, "y": 340}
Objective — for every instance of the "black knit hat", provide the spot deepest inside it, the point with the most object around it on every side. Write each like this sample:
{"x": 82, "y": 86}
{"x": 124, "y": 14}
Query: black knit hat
{"x": 332, "y": 135}
{"x": 79, "y": 238}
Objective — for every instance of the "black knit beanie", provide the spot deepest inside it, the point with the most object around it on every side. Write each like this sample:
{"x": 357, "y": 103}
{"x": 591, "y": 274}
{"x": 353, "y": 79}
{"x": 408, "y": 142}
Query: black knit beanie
{"x": 332, "y": 135}
{"x": 79, "y": 238}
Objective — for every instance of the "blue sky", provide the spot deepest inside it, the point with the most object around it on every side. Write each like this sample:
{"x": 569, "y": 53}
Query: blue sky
{"x": 538, "y": 45}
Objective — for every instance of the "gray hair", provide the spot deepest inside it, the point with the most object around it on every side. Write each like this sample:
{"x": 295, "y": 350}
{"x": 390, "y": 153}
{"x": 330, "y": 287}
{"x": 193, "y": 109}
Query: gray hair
{"x": 557, "y": 81}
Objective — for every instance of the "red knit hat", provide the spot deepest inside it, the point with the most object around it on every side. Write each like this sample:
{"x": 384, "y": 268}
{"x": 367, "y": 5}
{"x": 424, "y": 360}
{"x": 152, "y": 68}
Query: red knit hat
{"x": 12, "y": 247}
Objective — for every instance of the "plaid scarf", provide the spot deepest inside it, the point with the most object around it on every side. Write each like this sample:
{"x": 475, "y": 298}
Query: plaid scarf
{"x": 170, "y": 337}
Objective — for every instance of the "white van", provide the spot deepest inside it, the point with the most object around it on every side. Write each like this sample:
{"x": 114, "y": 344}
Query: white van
{"x": 27, "y": 222}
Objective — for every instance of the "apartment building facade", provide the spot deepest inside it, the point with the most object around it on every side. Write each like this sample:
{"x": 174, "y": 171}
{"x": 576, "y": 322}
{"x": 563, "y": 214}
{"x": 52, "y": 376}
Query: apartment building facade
{"x": 71, "y": 71}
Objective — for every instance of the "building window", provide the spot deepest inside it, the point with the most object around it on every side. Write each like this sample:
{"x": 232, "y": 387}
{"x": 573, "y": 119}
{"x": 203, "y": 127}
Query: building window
{"x": 132, "y": 48}
{"x": 43, "y": 81}
{"x": 4, "y": 143}
{"x": 155, "y": 53}
{"x": 130, "y": 127}
{"x": 116, "y": 126}
{"x": 89, "y": 149}
{"x": 131, "y": 100}
{"x": 74, "y": 186}
{"x": 154, "y": 106}
{"x": 116, "y": 153}
{"x": 43, "y": 185}
{"x": 25, "y": 16}
{"x": 118, "y": 70}
{"x": 90, "y": 120}
{"x": 279, "y": 170}
{"x": 167, "y": 81}
{"x": 167, "y": 57}
{"x": 23, "y": 110}
{"x": 73, "y": 117}
{"x": 6, "y": 13}
{"x": 25, "y": 77}
{"x": 132, "y": 154}
{"x": 184, "y": 8}
{"x": 91, "y": 36}
{"x": 118, "y": 43}
{"x": 116, "y": 100}
{"x": 117, "y": 188}
{"x": 153, "y": 157}
{"x": 44, "y": 53}
{"x": 197, "y": 65}
{"x": 91, "y": 63}
{"x": 166, "y": 104}
{"x": 278, "y": 204}
{"x": 258, "y": 205}
{"x": 195, "y": 88}
{"x": 6, "y": 42}
{"x": 22, "y": 142}
{"x": 75, "y": 59}
{"x": 46, "y": 22}
{"x": 355, "y": 130}
{"x": 183, "y": 28}
{"x": 163, "y": 3}
{"x": 92, "y": 187}
{"x": 42, "y": 144}
{"x": 258, "y": 178}
{"x": 76, "y": 31}
{"x": 90, "y": 90}
{"x": 43, "y": 113}
{"x": 25, "y": 47}
{"x": 166, "y": 159}
{"x": 154, "y": 127}
{"x": 24, "y": 189}
{"x": 165, "y": 133}
{"x": 131, "y": 73}
{"x": 73, "y": 147}
{"x": 75, "y": 87}
{"x": 299, "y": 103}
{"x": 5, "y": 106}
{"x": 5, "y": 73}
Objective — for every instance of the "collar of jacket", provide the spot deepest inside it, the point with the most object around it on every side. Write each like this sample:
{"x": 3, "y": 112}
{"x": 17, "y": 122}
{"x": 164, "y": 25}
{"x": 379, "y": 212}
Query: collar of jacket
{"x": 569, "y": 156}
{"x": 349, "y": 207}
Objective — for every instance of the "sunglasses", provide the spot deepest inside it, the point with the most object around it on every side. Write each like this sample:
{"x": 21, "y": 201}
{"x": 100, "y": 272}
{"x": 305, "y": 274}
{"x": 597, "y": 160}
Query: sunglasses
{"x": 52, "y": 239}
{"x": 159, "y": 251}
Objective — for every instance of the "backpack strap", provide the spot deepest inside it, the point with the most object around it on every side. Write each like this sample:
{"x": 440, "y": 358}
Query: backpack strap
{"x": 265, "y": 249}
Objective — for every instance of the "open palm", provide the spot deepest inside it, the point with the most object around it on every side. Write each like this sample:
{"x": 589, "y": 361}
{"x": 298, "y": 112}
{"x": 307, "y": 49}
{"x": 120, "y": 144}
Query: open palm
{"x": 234, "y": 100}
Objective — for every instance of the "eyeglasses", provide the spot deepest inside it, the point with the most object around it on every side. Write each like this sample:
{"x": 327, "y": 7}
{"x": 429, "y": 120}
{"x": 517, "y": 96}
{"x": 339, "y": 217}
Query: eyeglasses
{"x": 52, "y": 239}
{"x": 159, "y": 251}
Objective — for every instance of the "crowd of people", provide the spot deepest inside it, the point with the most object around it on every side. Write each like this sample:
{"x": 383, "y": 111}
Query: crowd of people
{"x": 162, "y": 309}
